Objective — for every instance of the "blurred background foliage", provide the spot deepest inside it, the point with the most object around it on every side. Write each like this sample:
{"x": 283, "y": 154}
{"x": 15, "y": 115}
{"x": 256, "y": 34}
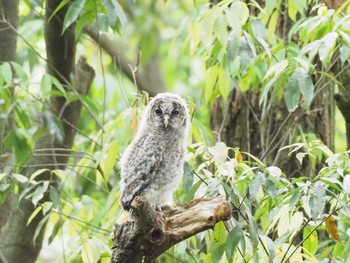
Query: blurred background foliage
{"x": 285, "y": 52}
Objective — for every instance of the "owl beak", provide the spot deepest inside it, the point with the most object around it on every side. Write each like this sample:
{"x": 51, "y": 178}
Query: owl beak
{"x": 166, "y": 120}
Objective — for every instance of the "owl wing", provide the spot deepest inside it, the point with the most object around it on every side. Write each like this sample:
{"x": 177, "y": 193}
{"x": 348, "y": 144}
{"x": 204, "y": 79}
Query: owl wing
{"x": 139, "y": 178}
{"x": 132, "y": 190}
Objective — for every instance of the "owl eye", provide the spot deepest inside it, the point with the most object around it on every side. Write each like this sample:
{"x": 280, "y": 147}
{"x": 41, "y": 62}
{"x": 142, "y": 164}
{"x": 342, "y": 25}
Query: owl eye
{"x": 175, "y": 112}
{"x": 158, "y": 112}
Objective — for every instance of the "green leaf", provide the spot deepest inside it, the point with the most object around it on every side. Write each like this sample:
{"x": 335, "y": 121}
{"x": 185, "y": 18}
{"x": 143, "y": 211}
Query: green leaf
{"x": 220, "y": 30}
{"x": 115, "y": 14}
{"x": 46, "y": 86}
{"x": 299, "y": 81}
{"x": 39, "y": 192}
{"x": 23, "y": 117}
{"x": 39, "y": 227}
{"x": 232, "y": 242}
{"x": 33, "y": 215}
{"x": 47, "y": 207}
{"x": 232, "y": 47}
{"x": 102, "y": 22}
{"x": 17, "y": 141}
{"x": 317, "y": 199}
{"x": 327, "y": 46}
{"x": 91, "y": 251}
{"x": 20, "y": 178}
{"x": 224, "y": 82}
{"x": 311, "y": 243}
{"x": 59, "y": 7}
{"x": 295, "y": 199}
{"x": 271, "y": 189}
{"x": 256, "y": 183}
{"x": 258, "y": 29}
{"x": 3, "y": 176}
{"x": 346, "y": 183}
{"x": 192, "y": 192}
{"x": 253, "y": 232}
{"x": 20, "y": 73}
{"x": 110, "y": 160}
{"x": 58, "y": 86}
{"x": 6, "y": 72}
{"x": 211, "y": 79}
{"x": 274, "y": 71}
{"x": 187, "y": 179}
{"x": 218, "y": 242}
{"x": 55, "y": 196}
{"x": 73, "y": 12}
{"x": 36, "y": 173}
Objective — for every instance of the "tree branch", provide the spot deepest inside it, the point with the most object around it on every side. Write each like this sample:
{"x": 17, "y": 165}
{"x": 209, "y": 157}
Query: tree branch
{"x": 151, "y": 233}
{"x": 149, "y": 78}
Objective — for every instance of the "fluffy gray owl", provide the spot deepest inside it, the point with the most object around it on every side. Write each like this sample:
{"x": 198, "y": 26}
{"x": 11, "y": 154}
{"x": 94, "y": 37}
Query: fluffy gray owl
{"x": 152, "y": 165}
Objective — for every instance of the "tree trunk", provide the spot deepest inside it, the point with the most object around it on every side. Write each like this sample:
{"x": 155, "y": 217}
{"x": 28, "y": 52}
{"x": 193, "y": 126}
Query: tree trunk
{"x": 8, "y": 45}
{"x": 17, "y": 243}
{"x": 242, "y": 123}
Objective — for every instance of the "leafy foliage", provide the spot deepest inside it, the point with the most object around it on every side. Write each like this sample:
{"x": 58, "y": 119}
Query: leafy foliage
{"x": 278, "y": 218}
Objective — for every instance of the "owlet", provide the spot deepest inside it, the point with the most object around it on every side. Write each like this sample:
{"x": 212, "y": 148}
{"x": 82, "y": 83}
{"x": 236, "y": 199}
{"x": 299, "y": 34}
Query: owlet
{"x": 152, "y": 165}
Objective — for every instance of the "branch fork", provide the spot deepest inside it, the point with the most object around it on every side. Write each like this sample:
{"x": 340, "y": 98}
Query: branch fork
{"x": 151, "y": 233}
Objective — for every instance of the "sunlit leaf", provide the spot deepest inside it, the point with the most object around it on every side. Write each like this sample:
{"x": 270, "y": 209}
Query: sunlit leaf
{"x": 253, "y": 232}
{"x": 73, "y": 12}
{"x": 47, "y": 207}
{"x": 311, "y": 240}
{"x": 299, "y": 82}
{"x": 90, "y": 251}
{"x": 34, "y": 214}
{"x": 233, "y": 239}
{"x": 211, "y": 79}
{"x": 232, "y": 47}
{"x": 220, "y": 30}
{"x": 224, "y": 83}
{"x": 39, "y": 227}
{"x": 36, "y": 173}
{"x": 20, "y": 178}
{"x": 346, "y": 183}
{"x": 46, "y": 86}
{"x": 327, "y": 46}
{"x": 110, "y": 160}
{"x": 6, "y": 72}
{"x": 271, "y": 189}
{"x": 54, "y": 196}
{"x": 317, "y": 199}
{"x": 256, "y": 183}
{"x": 187, "y": 179}
{"x": 39, "y": 192}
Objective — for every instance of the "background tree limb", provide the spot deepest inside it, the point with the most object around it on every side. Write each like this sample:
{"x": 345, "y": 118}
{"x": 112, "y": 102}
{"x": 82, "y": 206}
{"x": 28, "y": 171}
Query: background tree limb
{"x": 148, "y": 78}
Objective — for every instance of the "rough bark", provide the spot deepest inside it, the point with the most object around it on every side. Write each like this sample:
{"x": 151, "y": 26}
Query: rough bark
{"x": 8, "y": 45}
{"x": 151, "y": 233}
{"x": 148, "y": 78}
{"x": 8, "y": 36}
{"x": 343, "y": 102}
{"x": 241, "y": 122}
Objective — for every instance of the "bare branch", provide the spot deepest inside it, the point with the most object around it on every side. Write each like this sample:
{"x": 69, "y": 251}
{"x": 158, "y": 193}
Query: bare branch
{"x": 149, "y": 78}
{"x": 151, "y": 233}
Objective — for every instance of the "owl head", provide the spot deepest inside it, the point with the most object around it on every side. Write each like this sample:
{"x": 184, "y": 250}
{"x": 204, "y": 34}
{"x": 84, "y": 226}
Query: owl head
{"x": 168, "y": 111}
